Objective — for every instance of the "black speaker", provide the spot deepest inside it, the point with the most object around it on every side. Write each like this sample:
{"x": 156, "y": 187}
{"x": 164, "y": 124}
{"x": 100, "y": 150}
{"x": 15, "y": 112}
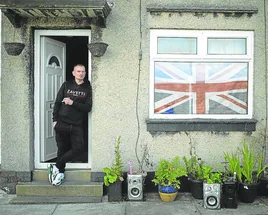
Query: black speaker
{"x": 212, "y": 196}
{"x": 135, "y": 187}
{"x": 263, "y": 187}
{"x": 230, "y": 194}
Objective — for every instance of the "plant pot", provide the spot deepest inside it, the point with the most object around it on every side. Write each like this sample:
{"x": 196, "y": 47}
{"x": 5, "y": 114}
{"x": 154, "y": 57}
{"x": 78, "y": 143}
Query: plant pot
{"x": 168, "y": 197}
{"x": 185, "y": 184}
{"x": 167, "y": 189}
{"x": 196, "y": 188}
{"x": 115, "y": 192}
{"x": 263, "y": 187}
{"x": 167, "y": 193}
{"x": 14, "y": 49}
{"x": 247, "y": 192}
{"x": 97, "y": 49}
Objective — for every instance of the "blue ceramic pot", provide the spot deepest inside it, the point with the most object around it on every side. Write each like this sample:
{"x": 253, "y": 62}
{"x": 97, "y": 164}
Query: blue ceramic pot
{"x": 167, "y": 189}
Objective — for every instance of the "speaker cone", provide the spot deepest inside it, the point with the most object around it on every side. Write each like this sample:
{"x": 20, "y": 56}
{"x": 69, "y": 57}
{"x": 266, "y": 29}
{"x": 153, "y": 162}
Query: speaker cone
{"x": 135, "y": 191}
{"x": 212, "y": 201}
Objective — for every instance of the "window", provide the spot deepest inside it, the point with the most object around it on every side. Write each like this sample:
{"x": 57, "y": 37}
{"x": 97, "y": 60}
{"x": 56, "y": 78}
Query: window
{"x": 201, "y": 74}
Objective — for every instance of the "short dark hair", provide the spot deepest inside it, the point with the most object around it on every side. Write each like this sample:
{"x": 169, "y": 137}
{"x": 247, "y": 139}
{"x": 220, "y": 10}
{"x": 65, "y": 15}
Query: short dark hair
{"x": 78, "y": 65}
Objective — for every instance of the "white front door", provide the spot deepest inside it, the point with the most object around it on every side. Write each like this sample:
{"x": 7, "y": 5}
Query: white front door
{"x": 53, "y": 55}
{"x": 49, "y": 74}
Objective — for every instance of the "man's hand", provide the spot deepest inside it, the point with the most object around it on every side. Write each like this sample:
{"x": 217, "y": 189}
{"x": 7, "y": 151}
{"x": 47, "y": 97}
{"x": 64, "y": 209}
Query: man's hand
{"x": 54, "y": 124}
{"x": 67, "y": 101}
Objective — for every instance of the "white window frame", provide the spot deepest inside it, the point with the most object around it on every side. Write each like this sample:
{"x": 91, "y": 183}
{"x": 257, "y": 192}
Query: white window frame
{"x": 201, "y": 56}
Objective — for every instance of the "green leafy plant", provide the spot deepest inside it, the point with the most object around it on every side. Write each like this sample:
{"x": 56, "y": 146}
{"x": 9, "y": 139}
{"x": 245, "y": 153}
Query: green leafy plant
{"x": 195, "y": 168}
{"x": 168, "y": 172}
{"x": 213, "y": 177}
{"x": 114, "y": 173}
{"x": 206, "y": 172}
{"x": 247, "y": 173}
{"x": 232, "y": 170}
{"x": 190, "y": 165}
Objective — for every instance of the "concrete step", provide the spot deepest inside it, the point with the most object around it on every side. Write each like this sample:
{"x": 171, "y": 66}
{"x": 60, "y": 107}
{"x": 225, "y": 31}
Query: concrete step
{"x": 54, "y": 200}
{"x": 73, "y": 175}
{"x": 68, "y": 188}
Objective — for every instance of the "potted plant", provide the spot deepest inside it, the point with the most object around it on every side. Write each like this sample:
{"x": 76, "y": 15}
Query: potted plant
{"x": 263, "y": 183}
{"x": 230, "y": 185}
{"x": 114, "y": 175}
{"x": 185, "y": 180}
{"x": 249, "y": 174}
{"x": 167, "y": 178}
{"x": 260, "y": 141}
{"x": 211, "y": 177}
{"x": 197, "y": 172}
{"x": 232, "y": 167}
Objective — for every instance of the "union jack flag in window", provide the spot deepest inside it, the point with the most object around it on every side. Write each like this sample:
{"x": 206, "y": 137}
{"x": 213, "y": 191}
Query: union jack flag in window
{"x": 200, "y": 88}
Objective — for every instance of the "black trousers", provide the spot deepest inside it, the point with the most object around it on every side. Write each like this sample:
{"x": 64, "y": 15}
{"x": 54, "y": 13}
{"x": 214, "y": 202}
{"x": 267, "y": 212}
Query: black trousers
{"x": 70, "y": 143}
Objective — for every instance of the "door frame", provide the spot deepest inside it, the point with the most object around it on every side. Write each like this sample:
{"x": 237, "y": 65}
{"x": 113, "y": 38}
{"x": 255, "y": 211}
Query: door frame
{"x": 37, "y": 103}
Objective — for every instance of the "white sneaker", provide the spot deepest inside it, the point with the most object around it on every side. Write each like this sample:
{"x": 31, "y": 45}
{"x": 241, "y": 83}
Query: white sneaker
{"x": 52, "y": 172}
{"x": 58, "y": 179}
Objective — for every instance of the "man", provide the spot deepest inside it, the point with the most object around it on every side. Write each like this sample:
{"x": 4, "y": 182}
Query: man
{"x": 73, "y": 102}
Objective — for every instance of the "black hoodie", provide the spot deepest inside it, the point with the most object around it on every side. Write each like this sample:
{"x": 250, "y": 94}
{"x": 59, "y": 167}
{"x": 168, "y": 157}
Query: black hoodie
{"x": 82, "y": 102}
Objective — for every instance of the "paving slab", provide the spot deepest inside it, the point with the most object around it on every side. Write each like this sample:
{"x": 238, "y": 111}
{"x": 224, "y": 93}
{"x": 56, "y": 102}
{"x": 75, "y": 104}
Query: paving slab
{"x": 184, "y": 204}
{"x": 27, "y": 209}
{"x": 5, "y": 198}
{"x": 265, "y": 200}
{"x": 92, "y": 209}
{"x": 255, "y": 208}
{"x": 151, "y": 208}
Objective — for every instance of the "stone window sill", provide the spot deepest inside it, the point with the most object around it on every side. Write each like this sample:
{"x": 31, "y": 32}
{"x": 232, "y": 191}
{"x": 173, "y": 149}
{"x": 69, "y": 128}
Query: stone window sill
{"x": 223, "y": 125}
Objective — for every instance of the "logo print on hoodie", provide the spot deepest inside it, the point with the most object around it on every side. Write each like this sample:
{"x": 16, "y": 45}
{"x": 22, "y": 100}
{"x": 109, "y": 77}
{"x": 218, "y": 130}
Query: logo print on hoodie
{"x": 75, "y": 93}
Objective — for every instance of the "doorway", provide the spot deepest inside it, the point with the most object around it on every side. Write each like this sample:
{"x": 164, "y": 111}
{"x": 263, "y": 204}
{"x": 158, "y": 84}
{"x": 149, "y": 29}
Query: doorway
{"x": 56, "y": 53}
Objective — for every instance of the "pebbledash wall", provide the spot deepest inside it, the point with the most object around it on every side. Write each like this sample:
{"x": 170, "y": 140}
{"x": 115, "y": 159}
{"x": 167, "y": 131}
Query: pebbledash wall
{"x": 117, "y": 77}
{"x": 121, "y": 82}
{"x": 0, "y": 79}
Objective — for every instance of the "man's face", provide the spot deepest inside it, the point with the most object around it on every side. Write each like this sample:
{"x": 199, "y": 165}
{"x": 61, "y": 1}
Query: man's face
{"x": 79, "y": 72}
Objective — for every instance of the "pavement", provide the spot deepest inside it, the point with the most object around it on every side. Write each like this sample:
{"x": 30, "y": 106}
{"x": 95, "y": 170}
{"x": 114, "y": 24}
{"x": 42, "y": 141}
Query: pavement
{"x": 184, "y": 204}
